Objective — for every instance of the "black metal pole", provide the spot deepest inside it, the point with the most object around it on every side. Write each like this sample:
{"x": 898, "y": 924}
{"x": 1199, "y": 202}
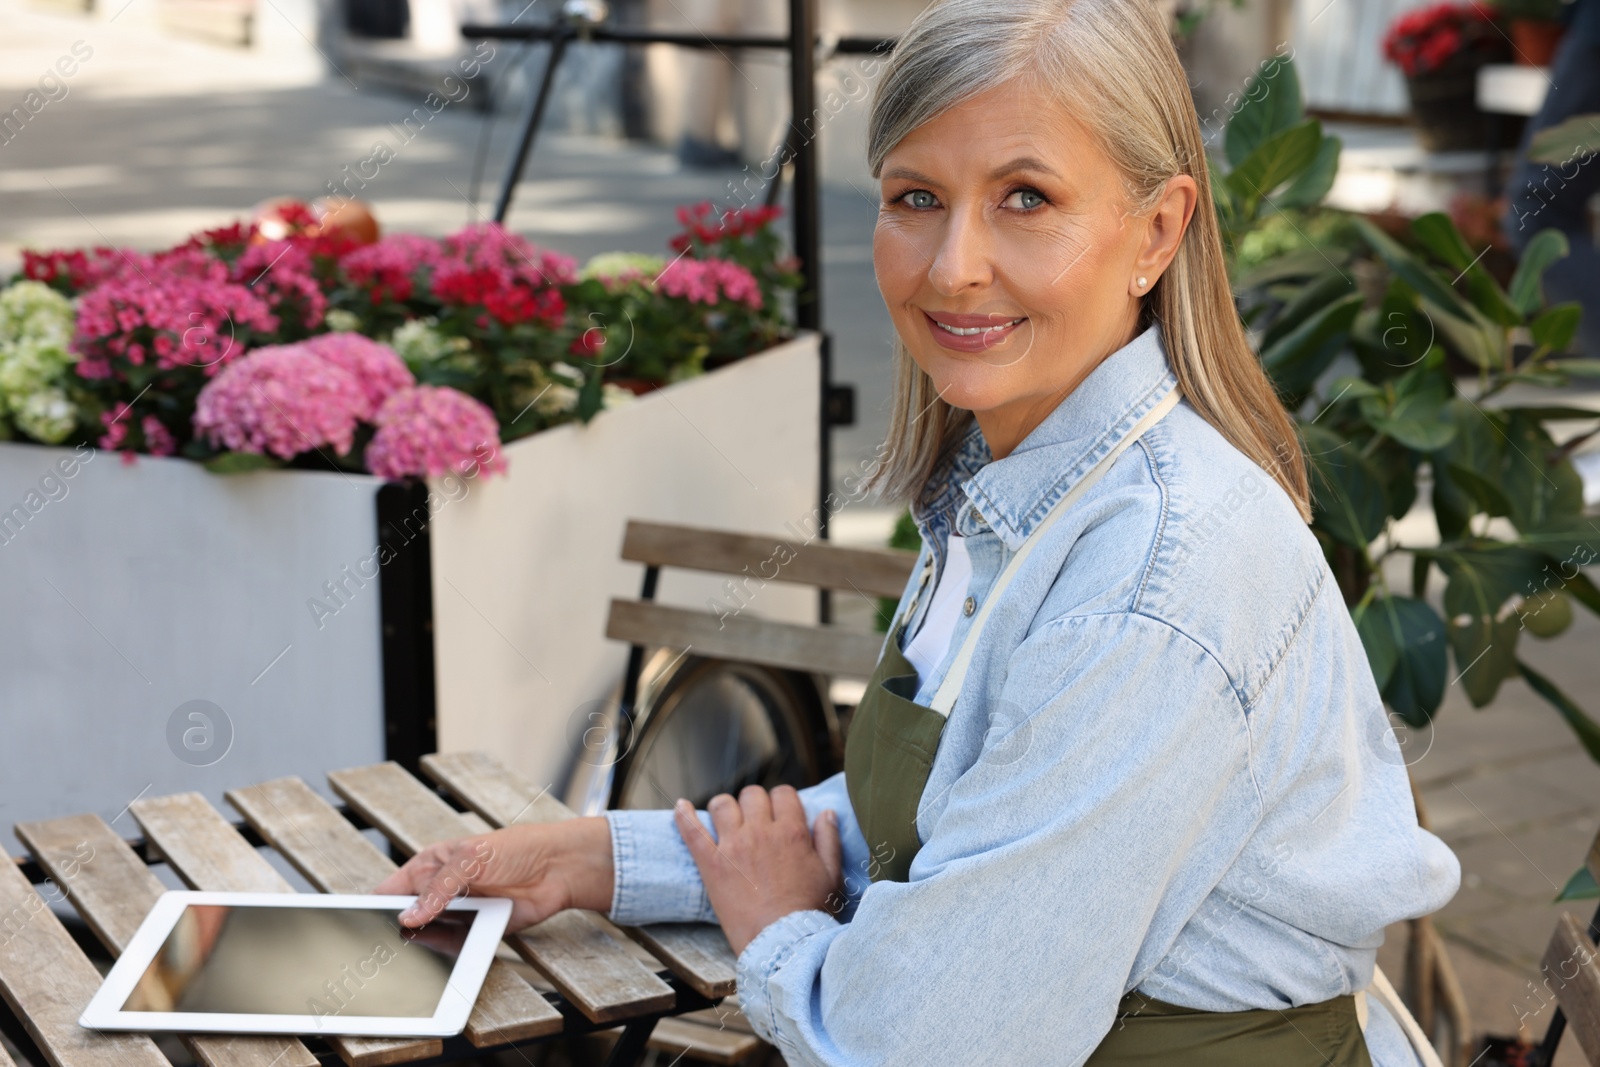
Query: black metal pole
{"x": 530, "y": 128}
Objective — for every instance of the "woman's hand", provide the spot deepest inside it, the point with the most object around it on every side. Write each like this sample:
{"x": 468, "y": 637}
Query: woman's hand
{"x": 764, "y": 862}
{"x": 544, "y": 868}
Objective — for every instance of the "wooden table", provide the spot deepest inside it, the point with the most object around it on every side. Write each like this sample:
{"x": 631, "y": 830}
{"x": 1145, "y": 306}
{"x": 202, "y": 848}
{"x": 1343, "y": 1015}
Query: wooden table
{"x": 600, "y": 981}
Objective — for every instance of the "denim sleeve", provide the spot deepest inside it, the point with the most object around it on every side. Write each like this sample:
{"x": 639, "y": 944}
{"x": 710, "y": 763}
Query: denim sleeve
{"x": 656, "y": 879}
{"x": 1122, "y": 796}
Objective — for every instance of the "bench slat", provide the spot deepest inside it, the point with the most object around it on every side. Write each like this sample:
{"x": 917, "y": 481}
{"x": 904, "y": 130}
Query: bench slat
{"x": 48, "y": 981}
{"x": 1572, "y": 971}
{"x": 208, "y": 853}
{"x": 740, "y": 637}
{"x": 113, "y": 890}
{"x": 769, "y": 557}
{"x": 574, "y": 949}
{"x": 696, "y": 951}
{"x": 334, "y": 857}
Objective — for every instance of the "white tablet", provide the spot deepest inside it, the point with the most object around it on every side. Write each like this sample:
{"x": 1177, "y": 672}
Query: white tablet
{"x": 300, "y": 963}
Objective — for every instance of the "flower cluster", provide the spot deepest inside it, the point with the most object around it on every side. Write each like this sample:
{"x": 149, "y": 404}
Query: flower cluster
{"x": 511, "y": 279}
{"x": 388, "y": 270}
{"x": 430, "y": 430}
{"x": 702, "y": 224}
{"x": 72, "y": 271}
{"x": 378, "y": 371}
{"x": 282, "y": 400}
{"x": 1444, "y": 35}
{"x": 710, "y": 281}
{"x": 284, "y": 275}
{"x": 35, "y": 331}
{"x": 615, "y": 270}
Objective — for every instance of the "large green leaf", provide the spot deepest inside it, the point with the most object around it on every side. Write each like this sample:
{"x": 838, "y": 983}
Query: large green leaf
{"x": 1307, "y": 301}
{"x": 1571, "y": 139}
{"x": 1486, "y": 581}
{"x": 1579, "y": 368}
{"x": 1271, "y": 105}
{"x": 1405, "y": 643}
{"x": 1476, "y": 447}
{"x": 1543, "y": 249}
{"x": 1411, "y": 409}
{"x": 1278, "y": 159}
{"x": 1435, "y": 232}
{"x": 1587, "y": 729}
{"x": 1541, "y": 486}
{"x": 1347, "y": 489}
{"x": 1300, "y": 263}
{"x": 1394, "y": 336}
{"x": 1479, "y": 340}
{"x": 1417, "y": 274}
{"x": 1297, "y": 359}
{"x": 1555, "y": 327}
{"x": 1312, "y": 185}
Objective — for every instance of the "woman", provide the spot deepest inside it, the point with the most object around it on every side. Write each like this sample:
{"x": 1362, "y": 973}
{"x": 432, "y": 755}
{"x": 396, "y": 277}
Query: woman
{"x": 1119, "y": 792}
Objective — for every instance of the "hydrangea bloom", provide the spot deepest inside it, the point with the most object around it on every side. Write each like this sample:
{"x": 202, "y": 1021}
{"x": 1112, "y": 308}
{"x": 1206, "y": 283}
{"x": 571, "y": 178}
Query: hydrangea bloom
{"x": 709, "y": 281}
{"x": 35, "y": 330}
{"x": 32, "y": 310}
{"x": 430, "y": 430}
{"x": 47, "y": 416}
{"x": 283, "y": 400}
{"x": 375, "y": 367}
{"x": 618, "y": 269}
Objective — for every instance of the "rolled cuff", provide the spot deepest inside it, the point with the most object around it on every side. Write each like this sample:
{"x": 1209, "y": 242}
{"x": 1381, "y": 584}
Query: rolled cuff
{"x": 764, "y": 956}
{"x": 655, "y": 877}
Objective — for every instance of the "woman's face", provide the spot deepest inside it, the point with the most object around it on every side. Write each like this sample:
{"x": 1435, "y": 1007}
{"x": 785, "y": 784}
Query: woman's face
{"x": 1007, "y": 258}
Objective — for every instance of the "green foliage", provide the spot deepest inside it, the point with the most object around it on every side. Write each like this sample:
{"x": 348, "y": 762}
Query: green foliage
{"x": 904, "y": 536}
{"x": 1374, "y": 372}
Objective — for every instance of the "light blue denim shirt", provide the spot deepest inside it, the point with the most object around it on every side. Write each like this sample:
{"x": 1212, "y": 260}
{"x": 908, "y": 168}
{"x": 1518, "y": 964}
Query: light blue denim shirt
{"x": 1169, "y": 770}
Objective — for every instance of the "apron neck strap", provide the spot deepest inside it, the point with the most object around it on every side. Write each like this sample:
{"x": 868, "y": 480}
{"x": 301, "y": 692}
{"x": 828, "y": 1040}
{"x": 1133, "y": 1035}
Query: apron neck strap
{"x": 945, "y": 699}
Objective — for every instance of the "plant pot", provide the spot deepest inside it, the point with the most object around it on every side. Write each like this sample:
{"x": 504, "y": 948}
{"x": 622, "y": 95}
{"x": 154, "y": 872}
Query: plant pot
{"x": 1534, "y": 41}
{"x": 1445, "y": 111}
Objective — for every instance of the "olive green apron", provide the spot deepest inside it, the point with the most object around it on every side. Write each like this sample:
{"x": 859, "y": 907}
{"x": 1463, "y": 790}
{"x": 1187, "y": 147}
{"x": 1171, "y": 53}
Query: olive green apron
{"x": 888, "y": 755}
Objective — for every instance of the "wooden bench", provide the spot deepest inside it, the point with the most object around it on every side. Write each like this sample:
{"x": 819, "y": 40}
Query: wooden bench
{"x": 600, "y": 975}
{"x": 871, "y": 572}
{"x": 1571, "y": 972}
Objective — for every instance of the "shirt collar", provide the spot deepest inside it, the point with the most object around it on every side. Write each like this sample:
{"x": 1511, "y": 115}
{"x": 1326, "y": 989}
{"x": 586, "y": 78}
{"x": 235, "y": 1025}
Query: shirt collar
{"x": 1013, "y": 494}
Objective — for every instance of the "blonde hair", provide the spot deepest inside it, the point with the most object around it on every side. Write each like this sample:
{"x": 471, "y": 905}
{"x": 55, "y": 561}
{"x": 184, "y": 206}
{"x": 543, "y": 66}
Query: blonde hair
{"x": 1113, "y": 63}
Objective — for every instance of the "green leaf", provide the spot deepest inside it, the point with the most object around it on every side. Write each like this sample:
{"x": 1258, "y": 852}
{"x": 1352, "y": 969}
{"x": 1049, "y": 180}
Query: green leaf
{"x": 1569, "y": 139}
{"x": 1584, "y": 592}
{"x": 1581, "y": 886}
{"x": 1487, "y": 495}
{"x": 1477, "y": 447}
{"x": 1405, "y": 643}
{"x": 1312, "y": 185}
{"x": 1412, "y": 410}
{"x": 1578, "y": 368}
{"x": 1296, "y": 360}
{"x": 1554, "y": 328}
{"x": 1314, "y": 295}
{"x": 1571, "y": 542}
{"x": 1485, "y": 583}
{"x": 1421, "y": 277}
{"x": 1280, "y": 158}
{"x": 1540, "y": 487}
{"x": 1478, "y": 340}
{"x": 1587, "y": 729}
{"x": 1301, "y": 263}
{"x": 1543, "y": 249}
{"x": 1550, "y": 412}
{"x": 240, "y": 462}
{"x": 1271, "y": 105}
{"x": 1348, "y": 492}
{"x": 1435, "y": 232}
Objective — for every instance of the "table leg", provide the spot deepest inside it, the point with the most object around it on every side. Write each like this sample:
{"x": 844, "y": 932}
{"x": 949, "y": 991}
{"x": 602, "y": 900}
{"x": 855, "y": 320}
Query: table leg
{"x": 630, "y": 1047}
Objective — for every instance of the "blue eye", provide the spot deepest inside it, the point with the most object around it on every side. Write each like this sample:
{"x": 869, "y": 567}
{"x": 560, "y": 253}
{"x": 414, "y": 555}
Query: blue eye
{"x": 911, "y": 198}
{"x": 1031, "y": 198}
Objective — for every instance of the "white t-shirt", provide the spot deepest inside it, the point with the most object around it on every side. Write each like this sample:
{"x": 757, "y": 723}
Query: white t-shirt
{"x": 931, "y": 641}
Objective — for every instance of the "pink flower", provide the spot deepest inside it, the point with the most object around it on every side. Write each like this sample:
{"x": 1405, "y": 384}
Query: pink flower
{"x": 191, "y": 317}
{"x": 709, "y": 281}
{"x": 429, "y": 430}
{"x": 512, "y": 279}
{"x": 157, "y": 438}
{"x": 377, "y": 369}
{"x": 281, "y": 273}
{"x": 388, "y": 269}
{"x": 282, "y": 399}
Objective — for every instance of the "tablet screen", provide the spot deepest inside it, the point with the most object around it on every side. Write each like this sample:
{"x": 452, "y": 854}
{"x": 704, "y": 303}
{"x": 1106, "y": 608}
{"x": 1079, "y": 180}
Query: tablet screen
{"x": 265, "y": 960}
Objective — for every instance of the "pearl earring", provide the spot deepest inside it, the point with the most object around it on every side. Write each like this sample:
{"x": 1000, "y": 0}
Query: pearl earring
{"x": 1141, "y": 283}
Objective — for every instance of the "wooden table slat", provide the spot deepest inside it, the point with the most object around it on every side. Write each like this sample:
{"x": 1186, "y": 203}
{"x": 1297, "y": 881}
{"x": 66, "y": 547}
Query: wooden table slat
{"x": 574, "y": 949}
{"x": 697, "y": 951}
{"x": 113, "y": 891}
{"x": 48, "y": 981}
{"x": 333, "y": 856}
{"x": 208, "y": 853}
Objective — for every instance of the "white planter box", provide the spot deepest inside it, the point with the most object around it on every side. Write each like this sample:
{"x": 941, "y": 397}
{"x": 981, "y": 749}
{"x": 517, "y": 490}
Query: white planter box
{"x": 524, "y": 567}
{"x": 145, "y": 586}
{"x": 142, "y": 587}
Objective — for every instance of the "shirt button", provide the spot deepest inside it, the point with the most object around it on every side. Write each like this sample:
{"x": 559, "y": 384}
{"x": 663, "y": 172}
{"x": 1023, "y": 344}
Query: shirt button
{"x": 977, "y": 516}
{"x": 969, "y": 607}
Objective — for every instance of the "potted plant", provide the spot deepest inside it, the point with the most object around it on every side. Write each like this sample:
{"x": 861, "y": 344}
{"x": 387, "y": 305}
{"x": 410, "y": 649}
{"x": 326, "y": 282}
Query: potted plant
{"x": 1439, "y": 50}
{"x": 1537, "y": 26}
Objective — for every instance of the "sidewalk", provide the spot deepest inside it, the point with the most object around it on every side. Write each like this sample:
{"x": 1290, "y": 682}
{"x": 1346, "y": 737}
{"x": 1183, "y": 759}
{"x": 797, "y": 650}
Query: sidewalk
{"x": 144, "y": 148}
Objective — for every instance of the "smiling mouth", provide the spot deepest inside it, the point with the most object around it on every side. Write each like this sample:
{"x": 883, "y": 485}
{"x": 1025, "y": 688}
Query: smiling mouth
{"x": 974, "y": 331}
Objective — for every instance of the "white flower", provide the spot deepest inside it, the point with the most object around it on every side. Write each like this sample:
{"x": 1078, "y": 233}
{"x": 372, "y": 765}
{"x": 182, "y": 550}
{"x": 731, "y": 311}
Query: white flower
{"x": 341, "y": 321}
{"x": 32, "y": 311}
{"x": 613, "y": 395}
{"x": 30, "y": 365}
{"x": 419, "y": 343}
{"x": 47, "y": 416}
